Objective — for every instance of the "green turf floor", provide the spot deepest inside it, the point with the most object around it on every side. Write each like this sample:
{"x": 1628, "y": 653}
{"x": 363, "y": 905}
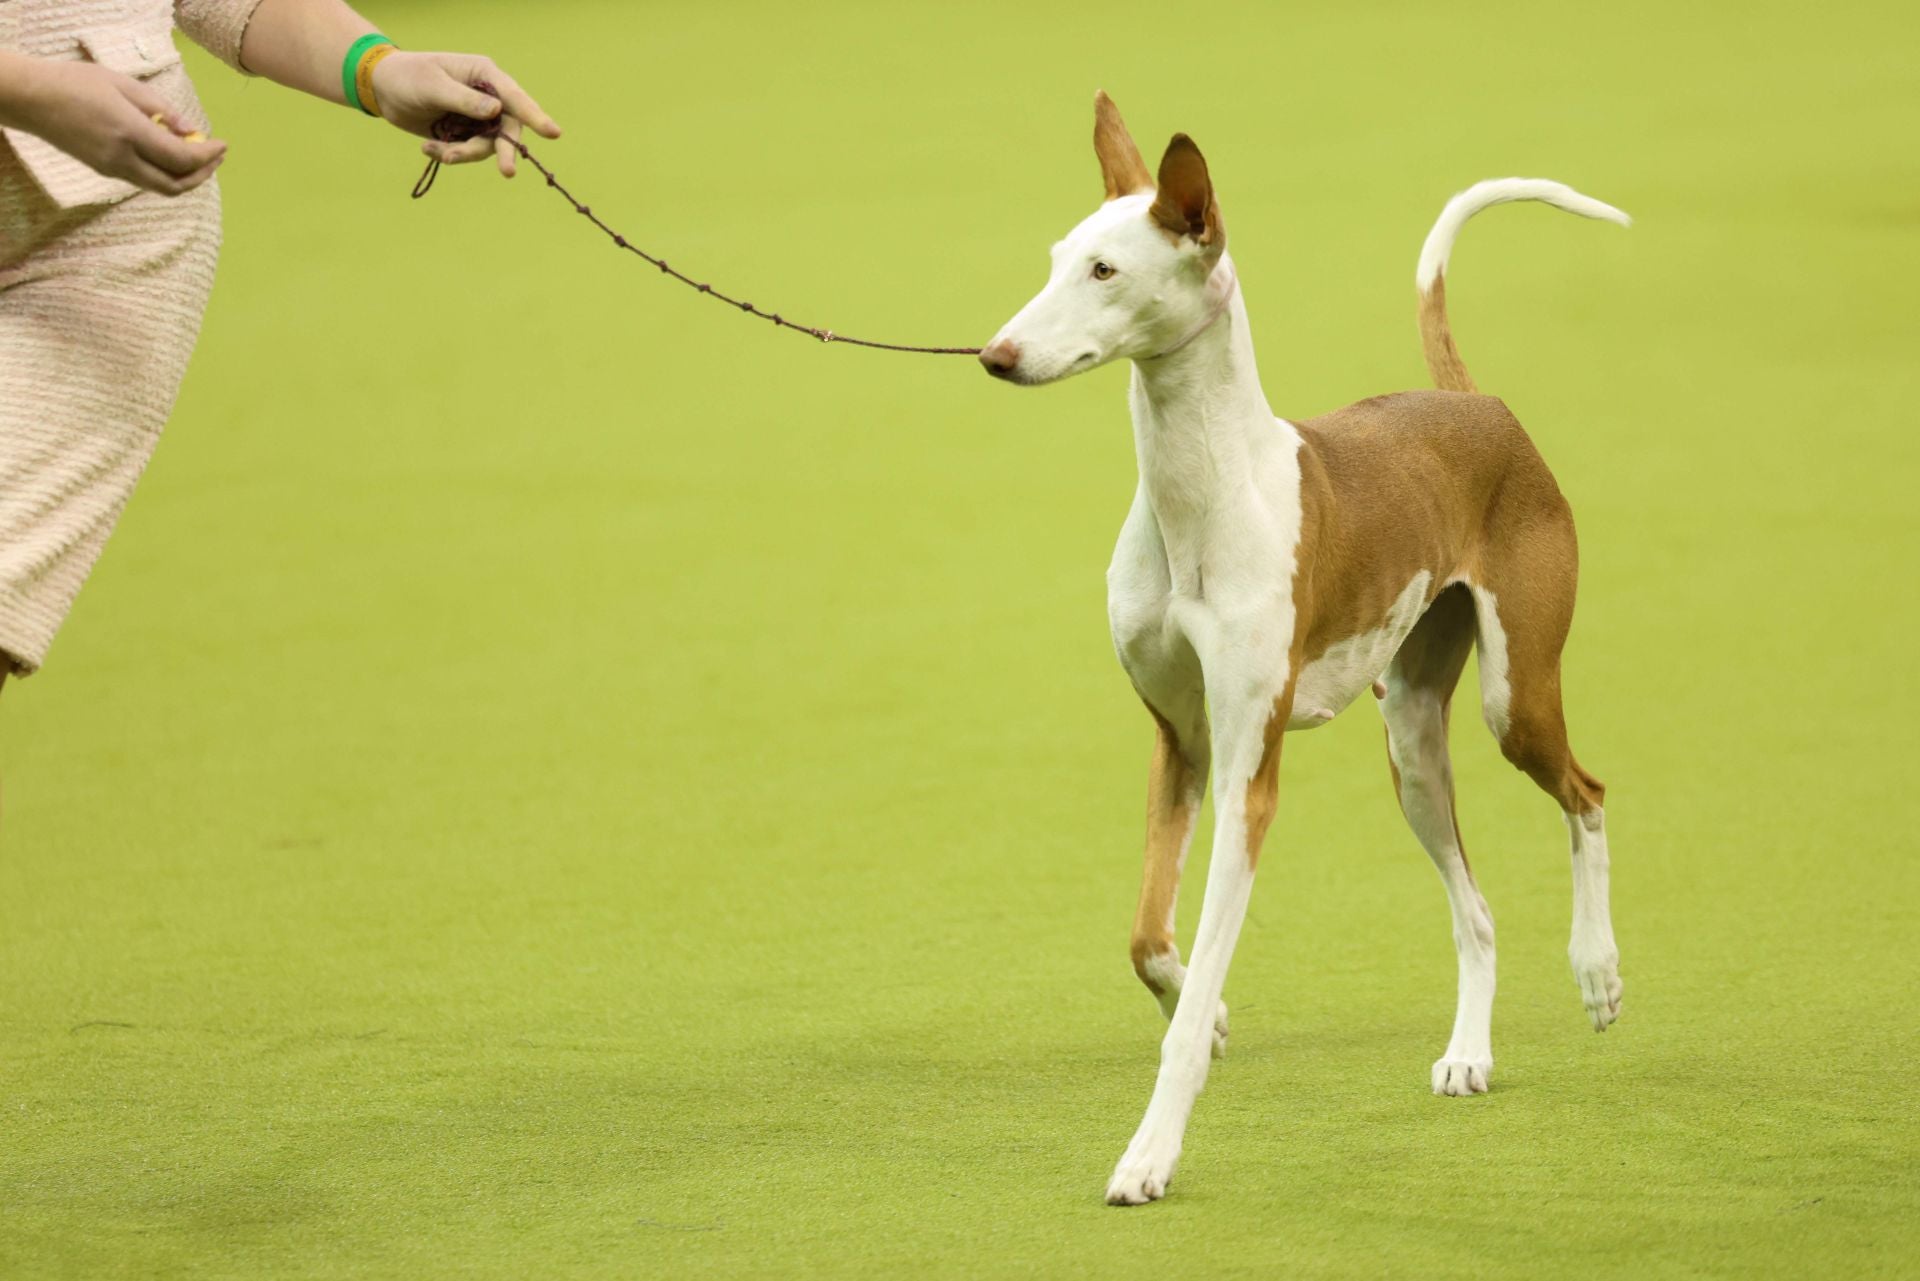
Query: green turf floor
{"x": 552, "y": 779}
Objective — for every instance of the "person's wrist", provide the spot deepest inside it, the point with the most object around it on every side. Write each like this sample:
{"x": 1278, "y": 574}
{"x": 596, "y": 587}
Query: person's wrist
{"x": 350, "y": 68}
{"x": 21, "y": 80}
{"x": 383, "y": 77}
{"x": 367, "y": 80}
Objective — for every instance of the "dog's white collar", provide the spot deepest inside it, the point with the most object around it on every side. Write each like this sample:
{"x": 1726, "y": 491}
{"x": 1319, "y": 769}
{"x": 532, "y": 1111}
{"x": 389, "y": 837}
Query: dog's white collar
{"x": 1219, "y": 310}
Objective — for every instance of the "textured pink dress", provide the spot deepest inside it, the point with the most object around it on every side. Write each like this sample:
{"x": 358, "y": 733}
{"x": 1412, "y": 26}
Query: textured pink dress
{"x": 102, "y": 288}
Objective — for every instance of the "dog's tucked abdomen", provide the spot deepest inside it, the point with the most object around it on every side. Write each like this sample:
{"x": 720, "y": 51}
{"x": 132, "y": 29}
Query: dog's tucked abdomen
{"x": 1328, "y": 683}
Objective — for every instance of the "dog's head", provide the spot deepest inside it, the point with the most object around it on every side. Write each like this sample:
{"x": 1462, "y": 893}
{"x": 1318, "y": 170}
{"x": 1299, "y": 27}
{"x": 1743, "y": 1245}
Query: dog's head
{"x": 1131, "y": 281}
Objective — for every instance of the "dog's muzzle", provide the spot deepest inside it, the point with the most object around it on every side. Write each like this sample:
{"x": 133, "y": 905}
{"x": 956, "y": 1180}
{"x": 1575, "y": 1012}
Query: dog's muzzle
{"x": 1000, "y": 358}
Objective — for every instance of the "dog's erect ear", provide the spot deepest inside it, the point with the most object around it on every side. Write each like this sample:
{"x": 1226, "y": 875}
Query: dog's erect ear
{"x": 1185, "y": 205}
{"x": 1121, "y": 167}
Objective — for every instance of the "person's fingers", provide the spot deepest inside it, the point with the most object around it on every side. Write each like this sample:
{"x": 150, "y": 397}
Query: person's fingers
{"x": 521, "y": 104}
{"x": 203, "y": 173}
{"x": 144, "y": 173}
{"x": 459, "y": 153}
{"x": 147, "y": 177}
{"x": 178, "y": 128}
{"x": 451, "y": 94}
{"x": 150, "y": 103}
{"x": 465, "y": 153}
{"x": 505, "y": 147}
{"x": 158, "y": 146}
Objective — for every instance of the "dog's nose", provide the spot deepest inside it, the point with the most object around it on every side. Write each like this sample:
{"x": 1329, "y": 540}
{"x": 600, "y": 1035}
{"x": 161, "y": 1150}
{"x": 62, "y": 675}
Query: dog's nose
{"x": 1000, "y": 357}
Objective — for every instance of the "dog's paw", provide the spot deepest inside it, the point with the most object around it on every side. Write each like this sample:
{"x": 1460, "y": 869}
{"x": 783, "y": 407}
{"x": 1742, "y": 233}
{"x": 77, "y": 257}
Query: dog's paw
{"x": 1141, "y": 1176}
{"x": 1457, "y": 1078}
{"x": 1598, "y": 974}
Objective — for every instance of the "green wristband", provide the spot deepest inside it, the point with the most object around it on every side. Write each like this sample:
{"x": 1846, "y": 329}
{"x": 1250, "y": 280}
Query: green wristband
{"x": 351, "y": 66}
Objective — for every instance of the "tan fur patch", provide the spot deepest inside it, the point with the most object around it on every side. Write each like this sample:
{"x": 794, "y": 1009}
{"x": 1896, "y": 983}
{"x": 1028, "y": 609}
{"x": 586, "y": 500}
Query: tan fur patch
{"x": 1448, "y": 483}
{"x": 1122, "y": 168}
{"x": 1436, "y": 341}
{"x": 1263, "y": 789}
{"x": 1184, "y": 205}
{"x": 1391, "y": 486}
{"x": 1171, "y": 806}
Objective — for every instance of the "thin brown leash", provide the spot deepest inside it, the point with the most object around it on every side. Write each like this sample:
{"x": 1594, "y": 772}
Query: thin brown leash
{"x": 453, "y": 128}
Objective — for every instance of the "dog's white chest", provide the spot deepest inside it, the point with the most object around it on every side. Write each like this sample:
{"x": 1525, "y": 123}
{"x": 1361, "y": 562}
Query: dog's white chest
{"x": 1212, "y": 590}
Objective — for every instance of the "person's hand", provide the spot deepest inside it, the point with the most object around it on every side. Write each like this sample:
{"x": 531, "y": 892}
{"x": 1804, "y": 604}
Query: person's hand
{"x": 415, "y": 89}
{"x": 107, "y": 121}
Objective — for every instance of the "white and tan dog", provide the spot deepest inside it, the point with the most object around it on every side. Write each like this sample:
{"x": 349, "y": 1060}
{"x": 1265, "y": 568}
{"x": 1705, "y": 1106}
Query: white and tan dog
{"x": 1270, "y": 571}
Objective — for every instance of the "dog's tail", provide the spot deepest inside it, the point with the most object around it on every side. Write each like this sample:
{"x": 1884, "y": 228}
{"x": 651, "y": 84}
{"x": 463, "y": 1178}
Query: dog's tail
{"x": 1436, "y": 335}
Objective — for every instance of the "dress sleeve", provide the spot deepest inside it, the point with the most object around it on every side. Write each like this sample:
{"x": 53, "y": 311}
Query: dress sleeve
{"x": 216, "y": 26}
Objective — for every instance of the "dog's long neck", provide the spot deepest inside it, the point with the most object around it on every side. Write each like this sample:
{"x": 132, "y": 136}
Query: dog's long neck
{"x": 1202, "y": 428}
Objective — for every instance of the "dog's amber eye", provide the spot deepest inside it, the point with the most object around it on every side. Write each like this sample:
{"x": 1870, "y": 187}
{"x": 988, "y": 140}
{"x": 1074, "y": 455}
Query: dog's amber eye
{"x": 1102, "y": 271}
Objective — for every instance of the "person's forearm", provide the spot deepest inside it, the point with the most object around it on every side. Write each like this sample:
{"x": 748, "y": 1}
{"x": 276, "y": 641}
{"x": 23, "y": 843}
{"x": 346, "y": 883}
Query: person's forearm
{"x": 301, "y": 44}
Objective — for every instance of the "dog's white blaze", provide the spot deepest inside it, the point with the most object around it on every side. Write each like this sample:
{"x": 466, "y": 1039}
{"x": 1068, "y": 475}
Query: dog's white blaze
{"x": 1496, "y": 694}
{"x": 1332, "y": 681}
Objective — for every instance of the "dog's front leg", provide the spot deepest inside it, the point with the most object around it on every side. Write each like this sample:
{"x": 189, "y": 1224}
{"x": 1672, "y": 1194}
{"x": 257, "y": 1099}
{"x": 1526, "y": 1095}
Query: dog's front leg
{"x": 1246, "y": 750}
{"x": 1176, "y": 786}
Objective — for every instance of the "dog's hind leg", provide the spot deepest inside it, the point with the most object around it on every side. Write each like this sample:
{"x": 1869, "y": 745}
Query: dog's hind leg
{"x": 1419, "y": 692}
{"x": 1524, "y": 603}
{"x": 1176, "y": 785}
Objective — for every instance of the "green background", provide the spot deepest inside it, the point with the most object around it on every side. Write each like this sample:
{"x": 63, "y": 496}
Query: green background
{"x": 554, "y": 779}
